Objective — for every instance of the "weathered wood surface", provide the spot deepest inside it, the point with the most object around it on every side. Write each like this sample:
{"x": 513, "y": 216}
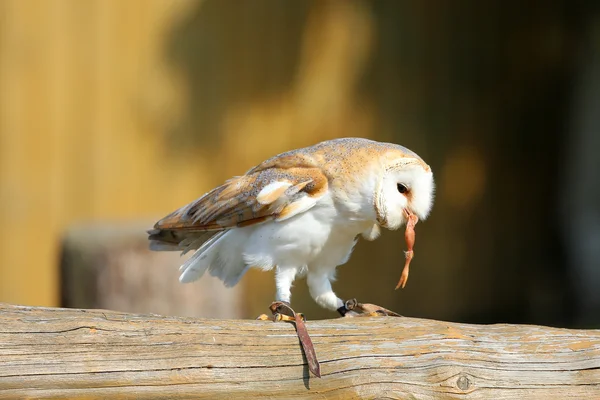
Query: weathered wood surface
{"x": 61, "y": 353}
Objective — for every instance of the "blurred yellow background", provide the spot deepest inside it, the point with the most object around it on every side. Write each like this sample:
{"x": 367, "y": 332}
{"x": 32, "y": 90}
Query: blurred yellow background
{"x": 81, "y": 110}
{"x": 118, "y": 112}
{"x": 86, "y": 97}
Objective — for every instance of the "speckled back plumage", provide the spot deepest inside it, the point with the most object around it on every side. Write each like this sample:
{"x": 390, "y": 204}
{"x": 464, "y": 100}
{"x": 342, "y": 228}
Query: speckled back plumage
{"x": 310, "y": 170}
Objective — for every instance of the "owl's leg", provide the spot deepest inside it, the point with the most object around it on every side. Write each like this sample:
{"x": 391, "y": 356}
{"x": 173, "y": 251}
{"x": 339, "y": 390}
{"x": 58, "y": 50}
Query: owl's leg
{"x": 319, "y": 286}
{"x": 284, "y": 277}
{"x": 320, "y": 289}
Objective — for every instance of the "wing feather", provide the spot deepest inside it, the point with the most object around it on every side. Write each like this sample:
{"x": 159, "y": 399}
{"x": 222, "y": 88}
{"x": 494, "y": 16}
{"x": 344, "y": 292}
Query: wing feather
{"x": 271, "y": 193}
{"x": 276, "y": 190}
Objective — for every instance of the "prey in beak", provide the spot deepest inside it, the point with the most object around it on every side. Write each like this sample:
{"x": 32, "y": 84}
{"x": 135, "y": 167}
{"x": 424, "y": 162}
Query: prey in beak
{"x": 409, "y": 238}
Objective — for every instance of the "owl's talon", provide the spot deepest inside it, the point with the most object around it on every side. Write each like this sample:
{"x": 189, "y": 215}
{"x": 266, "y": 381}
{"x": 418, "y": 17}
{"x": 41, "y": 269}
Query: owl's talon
{"x": 282, "y": 307}
{"x": 278, "y": 317}
{"x": 352, "y": 308}
{"x": 349, "y": 305}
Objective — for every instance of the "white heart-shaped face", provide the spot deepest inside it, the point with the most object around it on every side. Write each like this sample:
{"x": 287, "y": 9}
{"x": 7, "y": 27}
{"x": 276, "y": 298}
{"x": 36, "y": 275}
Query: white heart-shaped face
{"x": 406, "y": 184}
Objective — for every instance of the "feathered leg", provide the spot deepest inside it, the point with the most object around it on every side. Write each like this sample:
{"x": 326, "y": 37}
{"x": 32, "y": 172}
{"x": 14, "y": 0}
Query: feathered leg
{"x": 320, "y": 289}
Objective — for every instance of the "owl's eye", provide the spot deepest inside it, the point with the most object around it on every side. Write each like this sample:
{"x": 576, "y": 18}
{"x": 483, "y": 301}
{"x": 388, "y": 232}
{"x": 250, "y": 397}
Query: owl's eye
{"x": 402, "y": 189}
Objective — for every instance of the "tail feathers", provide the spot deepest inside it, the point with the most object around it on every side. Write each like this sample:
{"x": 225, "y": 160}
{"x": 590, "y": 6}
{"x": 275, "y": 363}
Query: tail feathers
{"x": 205, "y": 247}
{"x": 194, "y": 268}
{"x": 196, "y": 265}
{"x": 163, "y": 240}
{"x": 233, "y": 280}
{"x": 228, "y": 267}
{"x": 221, "y": 256}
{"x": 173, "y": 240}
{"x": 218, "y": 252}
{"x": 157, "y": 245}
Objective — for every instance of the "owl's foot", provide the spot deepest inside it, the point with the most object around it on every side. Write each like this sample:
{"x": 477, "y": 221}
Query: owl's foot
{"x": 352, "y": 308}
{"x": 282, "y": 311}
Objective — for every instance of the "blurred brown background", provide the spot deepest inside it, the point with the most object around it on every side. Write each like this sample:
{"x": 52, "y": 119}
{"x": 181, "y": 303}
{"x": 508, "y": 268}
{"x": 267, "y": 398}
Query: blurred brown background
{"x": 114, "y": 113}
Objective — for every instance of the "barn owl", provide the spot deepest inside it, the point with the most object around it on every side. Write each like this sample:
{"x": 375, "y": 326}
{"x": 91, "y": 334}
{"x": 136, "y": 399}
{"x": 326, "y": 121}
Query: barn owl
{"x": 299, "y": 213}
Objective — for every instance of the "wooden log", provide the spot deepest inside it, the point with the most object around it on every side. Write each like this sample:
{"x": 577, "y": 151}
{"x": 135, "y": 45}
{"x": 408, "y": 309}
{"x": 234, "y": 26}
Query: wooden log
{"x": 54, "y": 353}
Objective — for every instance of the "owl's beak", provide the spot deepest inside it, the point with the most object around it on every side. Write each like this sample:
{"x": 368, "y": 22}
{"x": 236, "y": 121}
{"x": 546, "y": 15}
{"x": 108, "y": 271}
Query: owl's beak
{"x": 410, "y": 215}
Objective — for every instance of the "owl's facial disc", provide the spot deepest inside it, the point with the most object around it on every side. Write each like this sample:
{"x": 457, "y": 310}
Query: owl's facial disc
{"x": 406, "y": 188}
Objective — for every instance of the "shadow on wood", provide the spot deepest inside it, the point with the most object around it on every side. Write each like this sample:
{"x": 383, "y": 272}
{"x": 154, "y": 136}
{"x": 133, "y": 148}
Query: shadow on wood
{"x": 71, "y": 353}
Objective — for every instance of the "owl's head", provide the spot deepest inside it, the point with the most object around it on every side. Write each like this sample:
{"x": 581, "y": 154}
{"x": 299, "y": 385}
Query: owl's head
{"x": 405, "y": 186}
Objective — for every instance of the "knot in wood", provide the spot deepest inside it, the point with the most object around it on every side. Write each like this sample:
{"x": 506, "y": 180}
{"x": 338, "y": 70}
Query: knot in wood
{"x": 463, "y": 382}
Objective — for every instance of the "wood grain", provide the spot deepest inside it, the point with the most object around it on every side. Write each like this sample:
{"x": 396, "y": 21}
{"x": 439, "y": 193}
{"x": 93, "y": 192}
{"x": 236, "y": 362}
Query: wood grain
{"x": 54, "y": 353}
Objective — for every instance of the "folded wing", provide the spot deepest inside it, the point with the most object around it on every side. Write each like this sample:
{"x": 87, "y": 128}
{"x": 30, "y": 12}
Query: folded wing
{"x": 273, "y": 193}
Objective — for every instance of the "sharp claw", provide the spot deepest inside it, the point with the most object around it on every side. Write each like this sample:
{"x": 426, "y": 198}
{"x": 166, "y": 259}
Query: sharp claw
{"x": 365, "y": 310}
{"x": 351, "y": 304}
{"x": 282, "y": 307}
{"x": 278, "y": 317}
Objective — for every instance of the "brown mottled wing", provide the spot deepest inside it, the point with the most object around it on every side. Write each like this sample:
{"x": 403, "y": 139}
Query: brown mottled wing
{"x": 283, "y": 192}
{"x": 290, "y": 160}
